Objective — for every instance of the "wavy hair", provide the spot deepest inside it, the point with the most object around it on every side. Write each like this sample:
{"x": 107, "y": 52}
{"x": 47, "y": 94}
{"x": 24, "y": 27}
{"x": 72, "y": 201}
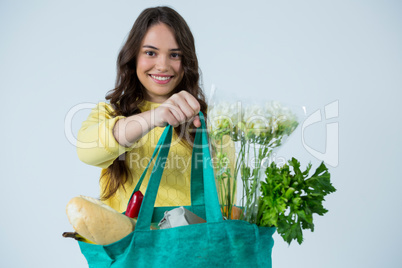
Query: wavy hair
{"x": 129, "y": 93}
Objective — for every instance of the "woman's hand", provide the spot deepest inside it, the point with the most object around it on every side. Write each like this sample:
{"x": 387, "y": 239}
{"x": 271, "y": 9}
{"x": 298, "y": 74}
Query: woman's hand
{"x": 180, "y": 108}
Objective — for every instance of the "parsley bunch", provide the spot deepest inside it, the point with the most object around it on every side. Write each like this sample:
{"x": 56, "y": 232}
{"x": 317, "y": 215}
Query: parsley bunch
{"x": 290, "y": 198}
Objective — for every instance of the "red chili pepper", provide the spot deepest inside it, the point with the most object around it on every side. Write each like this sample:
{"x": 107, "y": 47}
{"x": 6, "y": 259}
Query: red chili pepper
{"x": 134, "y": 205}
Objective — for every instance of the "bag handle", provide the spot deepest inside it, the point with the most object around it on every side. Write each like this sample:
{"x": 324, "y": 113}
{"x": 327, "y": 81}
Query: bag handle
{"x": 139, "y": 183}
{"x": 197, "y": 186}
{"x": 207, "y": 180}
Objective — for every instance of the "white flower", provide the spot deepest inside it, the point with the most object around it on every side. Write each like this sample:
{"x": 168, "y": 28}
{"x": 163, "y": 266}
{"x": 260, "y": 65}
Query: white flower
{"x": 257, "y": 123}
{"x": 280, "y": 115}
{"x": 273, "y": 108}
{"x": 256, "y": 120}
{"x": 224, "y": 115}
{"x": 255, "y": 130}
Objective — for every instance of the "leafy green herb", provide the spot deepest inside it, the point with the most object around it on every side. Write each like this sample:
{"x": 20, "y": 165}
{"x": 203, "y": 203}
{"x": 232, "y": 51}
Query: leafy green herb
{"x": 290, "y": 198}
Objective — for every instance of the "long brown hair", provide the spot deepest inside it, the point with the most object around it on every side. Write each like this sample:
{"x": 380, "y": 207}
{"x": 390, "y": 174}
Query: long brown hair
{"x": 129, "y": 93}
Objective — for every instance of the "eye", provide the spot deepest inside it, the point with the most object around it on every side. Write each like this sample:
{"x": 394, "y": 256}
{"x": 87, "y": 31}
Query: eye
{"x": 150, "y": 53}
{"x": 175, "y": 55}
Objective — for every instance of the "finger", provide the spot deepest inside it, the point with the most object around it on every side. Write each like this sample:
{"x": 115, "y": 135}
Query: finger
{"x": 172, "y": 120}
{"x": 181, "y": 101}
{"x": 177, "y": 117}
{"x": 175, "y": 111}
{"x": 167, "y": 114}
{"x": 187, "y": 110}
{"x": 193, "y": 103}
{"x": 197, "y": 121}
{"x": 188, "y": 104}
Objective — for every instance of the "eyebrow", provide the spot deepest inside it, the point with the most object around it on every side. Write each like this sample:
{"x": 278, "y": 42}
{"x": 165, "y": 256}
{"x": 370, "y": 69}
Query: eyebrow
{"x": 173, "y": 49}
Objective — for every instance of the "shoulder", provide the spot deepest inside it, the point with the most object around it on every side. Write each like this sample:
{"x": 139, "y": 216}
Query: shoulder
{"x": 102, "y": 111}
{"x": 106, "y": 109}
{"x": 105, "y": 106}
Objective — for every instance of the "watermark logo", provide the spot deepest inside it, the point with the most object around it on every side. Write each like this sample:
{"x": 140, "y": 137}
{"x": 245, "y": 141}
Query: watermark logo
{"x": 68, "y": 122}
{"x": 257, "y": 123}
{"x": 331, "y": 154}
{"x": 100, "y": 130}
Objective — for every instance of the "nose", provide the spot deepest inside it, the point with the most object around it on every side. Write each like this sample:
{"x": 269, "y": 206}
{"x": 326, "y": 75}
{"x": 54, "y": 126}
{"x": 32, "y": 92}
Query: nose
{"x": 162, "y": 64}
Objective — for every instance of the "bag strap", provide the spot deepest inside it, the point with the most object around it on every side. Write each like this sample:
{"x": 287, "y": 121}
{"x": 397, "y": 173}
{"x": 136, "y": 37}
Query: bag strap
{"x": 203, "y": 176}
{"x": 212, "y": 206}
{"x": 139, "y": 183}
{"x": 197, "y": 186}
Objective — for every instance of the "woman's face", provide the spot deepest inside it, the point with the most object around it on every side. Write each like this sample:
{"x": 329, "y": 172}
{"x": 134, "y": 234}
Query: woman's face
{"x": 159, "y": 66}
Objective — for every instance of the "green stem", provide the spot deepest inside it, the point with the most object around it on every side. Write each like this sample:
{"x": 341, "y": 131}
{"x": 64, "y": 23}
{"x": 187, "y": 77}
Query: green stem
{"x": 229, "y": 203}
{"x": 224, "y": 192}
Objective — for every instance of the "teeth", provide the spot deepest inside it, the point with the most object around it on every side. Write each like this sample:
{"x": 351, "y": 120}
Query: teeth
{"x": 161, "y": 78}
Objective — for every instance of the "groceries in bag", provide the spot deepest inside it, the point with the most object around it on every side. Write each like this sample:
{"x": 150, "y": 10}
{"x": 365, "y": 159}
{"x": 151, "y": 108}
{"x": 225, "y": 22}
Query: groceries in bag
{"x": 96, "y": 221}
{"x": 134, "y": 205}
{"x": 179, "y": 217}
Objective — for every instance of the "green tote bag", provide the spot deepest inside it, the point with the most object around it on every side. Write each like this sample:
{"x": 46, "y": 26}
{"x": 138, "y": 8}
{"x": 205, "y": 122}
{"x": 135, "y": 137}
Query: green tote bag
{"x": 216, "y": 243}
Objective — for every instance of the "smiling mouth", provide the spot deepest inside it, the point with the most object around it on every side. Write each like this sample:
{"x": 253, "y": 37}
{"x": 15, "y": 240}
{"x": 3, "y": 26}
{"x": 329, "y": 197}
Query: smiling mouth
{"x": 161, "y": 78}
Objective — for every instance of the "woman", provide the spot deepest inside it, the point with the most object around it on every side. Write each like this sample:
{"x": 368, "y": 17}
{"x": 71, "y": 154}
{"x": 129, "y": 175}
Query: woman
{"x": 157, "y": 84}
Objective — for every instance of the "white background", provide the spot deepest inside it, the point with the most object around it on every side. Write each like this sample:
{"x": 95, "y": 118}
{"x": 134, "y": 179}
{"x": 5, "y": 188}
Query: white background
{"x": 55, "y": 55}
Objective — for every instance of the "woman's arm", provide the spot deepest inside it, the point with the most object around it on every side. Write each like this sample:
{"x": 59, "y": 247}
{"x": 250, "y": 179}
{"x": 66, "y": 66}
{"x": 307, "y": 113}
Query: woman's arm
{"x": 103, "y": 137}
{"x": 95, "y": 142}
{"x": 179, "y": 108}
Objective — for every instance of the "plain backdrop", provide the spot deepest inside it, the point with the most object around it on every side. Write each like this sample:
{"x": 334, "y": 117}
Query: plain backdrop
{"x": 57, "y": 58}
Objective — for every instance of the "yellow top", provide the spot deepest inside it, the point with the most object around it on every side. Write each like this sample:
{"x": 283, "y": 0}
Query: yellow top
{"x": 97, "y": 146}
